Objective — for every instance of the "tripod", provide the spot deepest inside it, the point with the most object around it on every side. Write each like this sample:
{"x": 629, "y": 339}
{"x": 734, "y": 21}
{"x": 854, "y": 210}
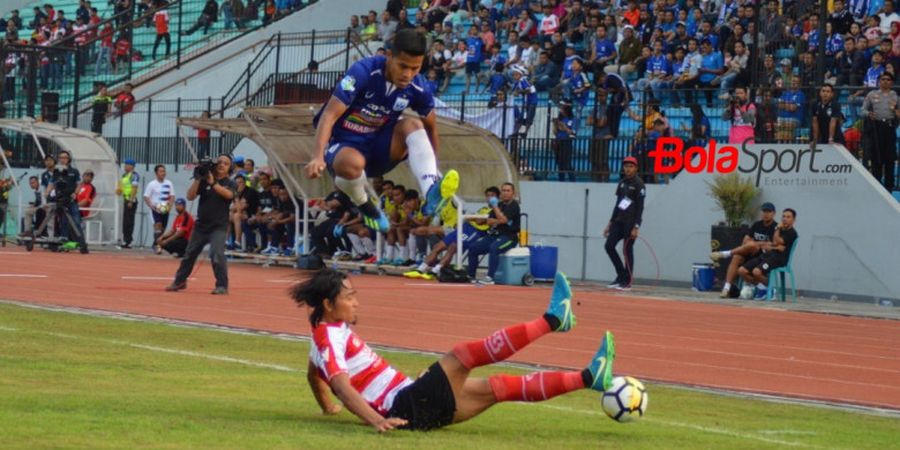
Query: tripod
{"x": 61, "y": 212}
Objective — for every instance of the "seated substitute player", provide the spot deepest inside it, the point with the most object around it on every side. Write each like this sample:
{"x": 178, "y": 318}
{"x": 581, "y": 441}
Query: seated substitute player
{"x": 756, "y": 271}
{"x": 381, "y": 396}
{"x": 757, "y": 241}
{"x": 360, "y": 133}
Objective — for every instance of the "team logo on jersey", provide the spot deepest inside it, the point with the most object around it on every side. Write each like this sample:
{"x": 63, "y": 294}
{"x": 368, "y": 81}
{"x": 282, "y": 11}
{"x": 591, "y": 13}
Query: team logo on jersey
{"x": 401, "y": 103}
{"x": 348, "y": 83}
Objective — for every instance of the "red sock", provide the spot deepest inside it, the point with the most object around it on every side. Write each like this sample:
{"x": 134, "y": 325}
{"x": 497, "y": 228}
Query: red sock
{"x": 535, "y": 387}
{"x": 500, "y": 345}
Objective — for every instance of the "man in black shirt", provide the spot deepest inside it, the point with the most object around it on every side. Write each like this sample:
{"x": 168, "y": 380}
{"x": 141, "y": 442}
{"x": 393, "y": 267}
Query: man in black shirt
{"x": 625, "y": 223}
{"x": 260, "y": 219}
{"x": 242, "y": 209}
{"x": 827, "y": 118}
{"x": 216, "y": 192}
{"x": 756, "y": 241}
{"x": 756, "y": 271}
{"x": 65, "y": 182}
{"x": 504, "y": 220}
{"x": 100, "y": 108}
{"x": 335, "y": 205}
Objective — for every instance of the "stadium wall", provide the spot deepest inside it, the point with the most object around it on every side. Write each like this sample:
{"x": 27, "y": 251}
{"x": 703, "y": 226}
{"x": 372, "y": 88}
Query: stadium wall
{"x": 847, "y": 224}
{"x": 9, "y": 5}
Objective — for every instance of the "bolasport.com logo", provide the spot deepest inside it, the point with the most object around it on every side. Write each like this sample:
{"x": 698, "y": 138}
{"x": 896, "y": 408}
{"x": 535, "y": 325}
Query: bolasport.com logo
{"x": 784, "y": 166}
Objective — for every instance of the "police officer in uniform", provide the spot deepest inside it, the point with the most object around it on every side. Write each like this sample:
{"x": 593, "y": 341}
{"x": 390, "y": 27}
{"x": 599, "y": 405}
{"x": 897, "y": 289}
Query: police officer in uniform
{"x": 625, "y": 223}
{"x": 880, "y": 128}
{"x": 128, "y": 188}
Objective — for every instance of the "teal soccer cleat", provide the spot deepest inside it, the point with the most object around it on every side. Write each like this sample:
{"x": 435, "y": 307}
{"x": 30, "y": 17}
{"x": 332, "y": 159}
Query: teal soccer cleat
{"x": 561, "y": 303}
{"x": 601, "y": 365}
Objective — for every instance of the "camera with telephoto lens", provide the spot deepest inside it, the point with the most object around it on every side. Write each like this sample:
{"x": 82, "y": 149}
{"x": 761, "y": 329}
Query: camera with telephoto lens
{"x": 64, "y": 189}
{"x": 203, "y": 169}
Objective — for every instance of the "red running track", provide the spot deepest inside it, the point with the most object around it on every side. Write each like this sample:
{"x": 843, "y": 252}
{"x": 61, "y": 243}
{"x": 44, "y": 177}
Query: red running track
{"x": 804, "y": 355}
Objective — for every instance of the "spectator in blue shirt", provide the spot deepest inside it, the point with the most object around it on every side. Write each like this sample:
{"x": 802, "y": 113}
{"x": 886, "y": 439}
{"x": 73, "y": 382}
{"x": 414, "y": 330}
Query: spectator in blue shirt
{"x": 546, "y": 74}
{"x": 431, "y": 83}
{"x": 603, "y": 51}
{"x": 526, "y": 107}
{"x": 474, "y": 46}
{"x": 658, "y": 76}
{"x": 497, "y": 81}
{"x": 711, "y": 66}
{"x": 581, "y": 87}
{"x": 790, "y": 112}
{"x": 495, "y": 56}
{"x": 564, "y": 126}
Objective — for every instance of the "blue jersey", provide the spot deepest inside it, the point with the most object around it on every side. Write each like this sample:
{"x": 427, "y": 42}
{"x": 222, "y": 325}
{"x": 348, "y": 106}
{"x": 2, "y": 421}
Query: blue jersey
{"x": 431, "y": 86}
{"x": 474, "y": 45}
{"x": 872, "y": 76}
{"x": 527, "y": 92}
{"x": 372, "y": 102}
{"x": 567, "y": 66}
{"x": 568, "y": 122}
{"x": 659, "y": 65}
{"x": 792, "y": 98}
{"x": 713, "y": 61}
{"x": 578, "y": 81}
{"x": 498, "y": 81}
{"x": 604, "y": 48}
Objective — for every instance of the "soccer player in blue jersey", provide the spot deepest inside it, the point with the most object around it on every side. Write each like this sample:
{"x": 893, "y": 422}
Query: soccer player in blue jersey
{"x": 360, "y": 132}
{"x": 525, "y": 109}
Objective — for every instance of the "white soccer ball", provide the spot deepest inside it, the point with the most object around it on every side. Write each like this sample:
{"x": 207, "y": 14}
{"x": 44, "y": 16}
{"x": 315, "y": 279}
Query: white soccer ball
{"x": 162, "y": 208}
{"x": 625, "y": 400}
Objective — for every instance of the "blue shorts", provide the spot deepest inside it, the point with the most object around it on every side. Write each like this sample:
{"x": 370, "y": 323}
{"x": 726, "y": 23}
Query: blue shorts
{"x": 473, "y": 68}
{"x": 470, "y": 235}
{"x": 376, "y": 151}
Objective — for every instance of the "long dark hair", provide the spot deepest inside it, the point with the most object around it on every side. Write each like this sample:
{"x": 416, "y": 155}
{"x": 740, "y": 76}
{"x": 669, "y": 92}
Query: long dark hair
{"x": 326, "y": 284}
{"x": 697, "y": 115}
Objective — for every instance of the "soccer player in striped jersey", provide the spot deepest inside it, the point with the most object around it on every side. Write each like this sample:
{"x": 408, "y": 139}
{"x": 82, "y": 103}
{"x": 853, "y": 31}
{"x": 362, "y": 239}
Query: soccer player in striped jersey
{"x": 342, "y": 363}
{"x": 360, "y": 132}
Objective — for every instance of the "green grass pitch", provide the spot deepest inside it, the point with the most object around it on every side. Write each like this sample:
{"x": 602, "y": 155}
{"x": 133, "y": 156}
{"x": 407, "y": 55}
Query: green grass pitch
{"x": 77, "y": 381}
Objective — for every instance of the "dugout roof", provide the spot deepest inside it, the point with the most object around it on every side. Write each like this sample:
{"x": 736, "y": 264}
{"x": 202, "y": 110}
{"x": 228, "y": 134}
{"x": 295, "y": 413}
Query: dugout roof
{"x": 89, "y": 151}
{"x": 286, "y": 134}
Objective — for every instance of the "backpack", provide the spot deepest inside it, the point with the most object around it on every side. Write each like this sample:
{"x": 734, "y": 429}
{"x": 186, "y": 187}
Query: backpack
{"x": 453, "y": 275}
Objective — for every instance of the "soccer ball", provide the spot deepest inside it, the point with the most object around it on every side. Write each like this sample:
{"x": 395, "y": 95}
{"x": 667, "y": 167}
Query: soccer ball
{"x": 625, "y": 400}
{"x": 162, "y": 208}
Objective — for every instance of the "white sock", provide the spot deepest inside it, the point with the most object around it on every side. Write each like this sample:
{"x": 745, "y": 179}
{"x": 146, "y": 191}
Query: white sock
{"x": 355, "y": 189}
{"x": 422, "y": 267}
{"x": 725, "y": 253}
{"x": 727, "y": 287}
{"x": 411, "y": 245}
{"x": 368, "y": 245}
{"x": 437, "y": 269}
{"x": 357, "y": 245}
{"x": 404, "y": 252}
{"x": 761, "y": 286}
{"x": 389, "y": 252}
{"x": 422, "y": 162}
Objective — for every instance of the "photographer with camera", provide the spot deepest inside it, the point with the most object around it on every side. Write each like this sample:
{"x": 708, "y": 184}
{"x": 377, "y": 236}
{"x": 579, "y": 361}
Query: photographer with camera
{"x": 66, "y": 179}
{"x": 212, "y": 183}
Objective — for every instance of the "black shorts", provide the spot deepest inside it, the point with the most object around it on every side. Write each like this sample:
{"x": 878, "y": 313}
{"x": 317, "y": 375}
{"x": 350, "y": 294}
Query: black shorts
{"x": 426, "y": 404}
{"x": 766, "y": 262}
{"x": 160, "y": 219}
{"x": 473, "y": 68}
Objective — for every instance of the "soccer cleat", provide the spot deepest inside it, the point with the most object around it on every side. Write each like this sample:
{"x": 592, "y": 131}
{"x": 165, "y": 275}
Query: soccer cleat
{"x": 70, "y": 245}
{"x": 760, "y": 294}
{"x": 561, "y": 303}
{"x": 624, "y": 287}
{"x": 371, "y": 260}
{"x": 724, "y": 293}
{"x": 440, "y": 192}
{"x": 616, "y": 283}
{"x": 601, "y": 365}
{"x": 428, "y": 276}
{"x": 373, "y": 217}
{"x": 413, "y": 274}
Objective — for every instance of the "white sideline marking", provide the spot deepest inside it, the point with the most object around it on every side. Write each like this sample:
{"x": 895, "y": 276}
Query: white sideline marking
{"x": 124, "y": 277}
{"x": 794, "y": 432}
{"x": 22, "y": 275}
{"x": 16, "y": 253}
{"x": 2, "y": 328}
{"x": 713, "y": 430}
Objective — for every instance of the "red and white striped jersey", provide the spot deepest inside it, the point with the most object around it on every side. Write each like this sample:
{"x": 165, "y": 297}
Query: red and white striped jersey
{"x": 336, "y": 349}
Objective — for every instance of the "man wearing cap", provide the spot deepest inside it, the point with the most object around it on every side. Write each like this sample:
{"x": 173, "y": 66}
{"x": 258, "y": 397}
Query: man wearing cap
{"x": 128, "y": 187}
{"x": 625, "y": 223}
{"x": 882, "y": 112}
{"x": 175, "y": 240}
{"x": 629, "y": 51}
{"x": 757, "y": 241}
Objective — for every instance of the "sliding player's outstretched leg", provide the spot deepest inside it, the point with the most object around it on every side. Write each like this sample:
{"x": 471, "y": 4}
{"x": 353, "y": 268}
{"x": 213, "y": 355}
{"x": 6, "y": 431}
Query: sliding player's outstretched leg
{"x": 505, "y": 342}
{"x": 479, "y": 394}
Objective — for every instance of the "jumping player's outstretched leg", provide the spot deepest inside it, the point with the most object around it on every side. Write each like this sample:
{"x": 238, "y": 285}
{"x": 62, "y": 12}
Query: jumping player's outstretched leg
{"x": 411, "y": 140}
{"x": 474, "y": 395}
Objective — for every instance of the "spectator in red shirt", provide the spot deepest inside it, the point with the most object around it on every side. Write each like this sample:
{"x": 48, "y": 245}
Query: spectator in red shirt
{"x": 124, "y": 102}
{"x": 161, "y": 21}
{"x": 122, "y": 51}
{"x": 86, "y": 192}
{"x": 176, "y": 239}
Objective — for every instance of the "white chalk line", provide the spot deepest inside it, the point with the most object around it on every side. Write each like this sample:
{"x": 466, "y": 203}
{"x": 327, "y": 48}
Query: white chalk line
{"x": 16, "y": 253}
{"x": 22, "y": 275}
{"x": 281, "y": 368}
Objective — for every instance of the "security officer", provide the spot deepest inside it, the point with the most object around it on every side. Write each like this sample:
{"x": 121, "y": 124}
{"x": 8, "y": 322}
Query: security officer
{"x": 882, "y": 111}
{"x": 625, "y": 223}
{"x": 100, "y": 107}
{"x": 128, "y": 188}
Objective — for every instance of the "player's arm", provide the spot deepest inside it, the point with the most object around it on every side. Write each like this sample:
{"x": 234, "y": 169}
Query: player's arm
{"x": 333, "y": 111}
{"x": 341, "y": 386}
{"x": 321, "y": 391}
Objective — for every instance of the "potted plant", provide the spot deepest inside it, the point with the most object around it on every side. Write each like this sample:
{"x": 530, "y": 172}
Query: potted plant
{"x": 734, "y": 196}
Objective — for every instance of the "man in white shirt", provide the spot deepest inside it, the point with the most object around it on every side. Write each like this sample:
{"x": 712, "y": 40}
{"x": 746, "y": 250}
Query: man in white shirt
{"x": 887, "y": 16}
{"x": 159, "y": 197}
